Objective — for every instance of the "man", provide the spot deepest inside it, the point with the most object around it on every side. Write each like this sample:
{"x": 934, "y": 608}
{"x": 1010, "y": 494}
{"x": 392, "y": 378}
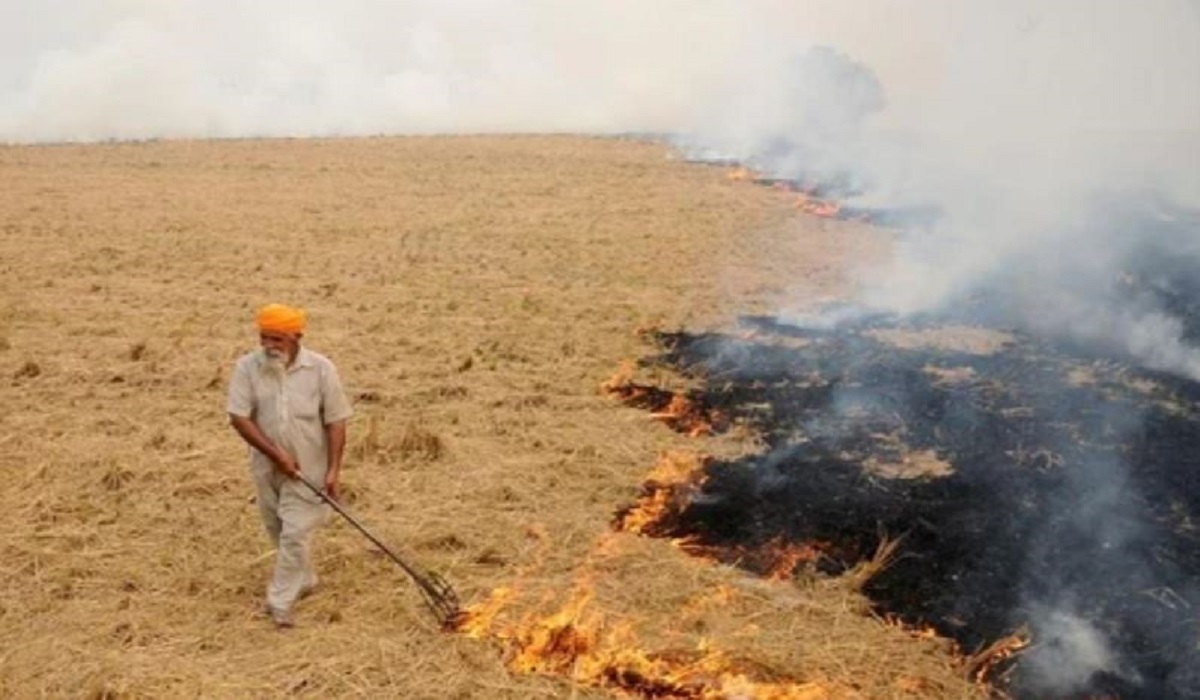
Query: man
{"x": 287, "y": 403}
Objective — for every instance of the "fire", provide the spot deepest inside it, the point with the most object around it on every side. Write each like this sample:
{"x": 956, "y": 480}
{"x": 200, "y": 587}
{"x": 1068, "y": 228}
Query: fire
{"x": 686, "y": 416}
{"x": 818, "y": 207}
{"x": 777, "y": 560}
{"x": 917, "y": 632}
{"x": 742, "y": 174}
{"x": 536, "y": 645}
{"x": 788, "y": 556}
{"x": 670, "y": 486}
{"x": 556, "y": 643}
{"x": 806, "y": 199}
{"x": 576, "y": 642}
{"x": 666, "y": 491}
{"x": 984, "y": 664}
{"x": 678, "y": 411}
{"x": 568, "y": 636}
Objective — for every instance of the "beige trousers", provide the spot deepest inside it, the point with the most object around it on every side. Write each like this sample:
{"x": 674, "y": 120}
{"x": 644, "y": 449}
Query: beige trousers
{"x": 290, "y": 514}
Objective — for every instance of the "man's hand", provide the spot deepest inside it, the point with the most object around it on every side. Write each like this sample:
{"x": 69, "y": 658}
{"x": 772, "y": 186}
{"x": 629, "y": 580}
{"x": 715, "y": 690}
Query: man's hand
{"x": 254, "y": 436}
{"x": 288, "y": 465}
{"x": 336, "y": 437}
{"x": 332, "y": 489}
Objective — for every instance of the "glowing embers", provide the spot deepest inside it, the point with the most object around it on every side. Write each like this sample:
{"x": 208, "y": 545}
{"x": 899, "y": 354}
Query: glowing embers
{"x": 680, "y": 412}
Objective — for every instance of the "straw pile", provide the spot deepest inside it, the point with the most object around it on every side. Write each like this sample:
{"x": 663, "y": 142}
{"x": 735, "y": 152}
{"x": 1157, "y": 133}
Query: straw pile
{"x": 475, "y": 293}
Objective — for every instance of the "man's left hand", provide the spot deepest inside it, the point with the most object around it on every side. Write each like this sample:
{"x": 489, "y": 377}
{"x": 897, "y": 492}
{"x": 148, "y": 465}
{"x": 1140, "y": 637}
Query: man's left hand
{"x": 332, "y": 488}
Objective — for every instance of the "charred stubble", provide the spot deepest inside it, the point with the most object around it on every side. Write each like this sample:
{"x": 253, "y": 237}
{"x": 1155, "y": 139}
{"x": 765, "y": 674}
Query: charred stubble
{"x": 1071, "y": 496}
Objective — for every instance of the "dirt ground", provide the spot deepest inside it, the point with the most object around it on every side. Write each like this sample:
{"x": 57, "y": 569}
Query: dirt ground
{"x": 475, "y": 293}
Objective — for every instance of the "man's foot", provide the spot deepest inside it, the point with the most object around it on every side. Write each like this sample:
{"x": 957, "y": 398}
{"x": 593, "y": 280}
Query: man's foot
{"x": 281, "y": 618}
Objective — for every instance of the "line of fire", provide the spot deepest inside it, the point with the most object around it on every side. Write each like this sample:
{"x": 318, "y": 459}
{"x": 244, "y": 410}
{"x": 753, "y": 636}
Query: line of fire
{"x": 1033, "y": 500}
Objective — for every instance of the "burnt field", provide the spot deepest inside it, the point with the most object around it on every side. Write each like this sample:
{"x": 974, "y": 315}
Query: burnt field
{"x": 1018, "y": 489}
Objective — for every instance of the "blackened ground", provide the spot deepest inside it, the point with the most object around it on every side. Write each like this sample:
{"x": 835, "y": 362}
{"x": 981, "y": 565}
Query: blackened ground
{"x": 1075, "y": 489}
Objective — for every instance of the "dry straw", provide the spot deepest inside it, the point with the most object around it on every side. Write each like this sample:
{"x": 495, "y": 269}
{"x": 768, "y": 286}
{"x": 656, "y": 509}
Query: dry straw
{"x": 474, "y": 292}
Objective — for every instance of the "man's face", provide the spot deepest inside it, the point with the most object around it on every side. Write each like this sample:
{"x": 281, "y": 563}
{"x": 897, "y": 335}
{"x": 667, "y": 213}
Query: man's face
{"x": 279, "y": 346}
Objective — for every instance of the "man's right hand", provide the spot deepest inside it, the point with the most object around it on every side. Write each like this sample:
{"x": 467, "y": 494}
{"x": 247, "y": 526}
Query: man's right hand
{"x": 253, "y": 435}
{"x": 289, "y": 466}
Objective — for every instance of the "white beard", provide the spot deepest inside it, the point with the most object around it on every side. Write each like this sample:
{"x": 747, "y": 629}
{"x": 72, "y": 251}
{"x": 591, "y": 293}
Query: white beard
{"x": 276, "y": 363}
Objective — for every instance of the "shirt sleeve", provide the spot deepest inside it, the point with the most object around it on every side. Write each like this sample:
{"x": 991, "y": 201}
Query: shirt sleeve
{"x": 241, "y": 392}
{"x": 334, "y": 404}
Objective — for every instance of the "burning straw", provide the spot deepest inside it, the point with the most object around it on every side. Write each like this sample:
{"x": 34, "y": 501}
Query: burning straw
{"x": 600, "y": 632}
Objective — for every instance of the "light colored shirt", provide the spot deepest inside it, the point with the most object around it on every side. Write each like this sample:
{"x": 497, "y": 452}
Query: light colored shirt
{"x": 292, "y": 408}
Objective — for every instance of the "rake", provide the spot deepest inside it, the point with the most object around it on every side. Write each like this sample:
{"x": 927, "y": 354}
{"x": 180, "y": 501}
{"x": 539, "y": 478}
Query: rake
{"x": 439, "y": 596}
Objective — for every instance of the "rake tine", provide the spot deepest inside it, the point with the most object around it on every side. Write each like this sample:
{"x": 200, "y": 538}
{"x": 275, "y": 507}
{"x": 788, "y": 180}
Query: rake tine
{"x": 439, "y": 597}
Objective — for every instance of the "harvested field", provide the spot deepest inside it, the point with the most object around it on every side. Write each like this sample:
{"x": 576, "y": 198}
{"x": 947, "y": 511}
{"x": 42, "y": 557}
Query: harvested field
{"x": 476, "y": 293}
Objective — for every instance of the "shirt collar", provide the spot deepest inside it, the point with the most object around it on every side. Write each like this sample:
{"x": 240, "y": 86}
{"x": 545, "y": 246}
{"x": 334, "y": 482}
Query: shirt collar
{"x": 304, "y": 358}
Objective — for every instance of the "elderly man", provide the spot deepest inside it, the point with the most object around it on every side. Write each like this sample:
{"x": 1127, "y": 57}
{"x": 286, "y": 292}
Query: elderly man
{"x": 287, "y": 403}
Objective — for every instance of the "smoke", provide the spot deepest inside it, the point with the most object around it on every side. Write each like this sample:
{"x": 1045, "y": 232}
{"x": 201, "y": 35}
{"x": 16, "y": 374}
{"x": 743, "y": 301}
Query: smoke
{"x": 1057, "y": 149}
{"x": 1071, "y": 652}
{"x": 85, "y": 70}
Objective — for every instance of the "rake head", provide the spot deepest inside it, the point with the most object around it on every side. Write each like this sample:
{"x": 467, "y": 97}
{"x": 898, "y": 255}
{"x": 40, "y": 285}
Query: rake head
{"x": 440, "y": 597}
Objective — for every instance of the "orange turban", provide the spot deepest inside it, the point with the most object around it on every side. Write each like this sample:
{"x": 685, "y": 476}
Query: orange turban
{"x": 278, "y": 318}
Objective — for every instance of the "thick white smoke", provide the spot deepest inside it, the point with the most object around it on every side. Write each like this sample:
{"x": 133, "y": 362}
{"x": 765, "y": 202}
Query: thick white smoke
{"x": 89, "y": 70}
{"x": 1063, "y": 136}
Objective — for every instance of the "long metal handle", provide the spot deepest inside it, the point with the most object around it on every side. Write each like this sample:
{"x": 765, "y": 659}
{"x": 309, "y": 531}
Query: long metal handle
{"x": 439, "y": 596}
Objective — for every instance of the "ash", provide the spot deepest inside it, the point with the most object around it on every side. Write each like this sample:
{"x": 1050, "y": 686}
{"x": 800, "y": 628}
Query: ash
{"x": 1066, "y": 498}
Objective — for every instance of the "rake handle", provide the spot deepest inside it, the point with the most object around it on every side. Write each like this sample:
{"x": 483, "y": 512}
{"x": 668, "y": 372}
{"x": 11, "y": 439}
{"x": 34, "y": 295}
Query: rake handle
{"x": 438, "y": 595}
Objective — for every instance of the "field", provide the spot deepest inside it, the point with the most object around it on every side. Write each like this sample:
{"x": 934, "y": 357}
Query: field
{"x": 476, "y": 292}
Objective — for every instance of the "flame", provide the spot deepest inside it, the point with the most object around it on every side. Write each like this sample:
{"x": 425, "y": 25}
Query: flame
{"x": 776, "y": 560}
{"x": 742, "y": 174}
{"x": 676, "y": 410}
{"x": 806, "y": 199}
{"x": 622, "y": 379}
{"x": 686, "y": 416}
{"x": 475, "y": 622}
{"x": 818, "y": 207}
{"x": 985, "y": 664}
{"x": 788, "y": 556}
{"x": 576, "y": 642}
{"x": 916, "y": 632}
{"x": 554, "y": 644}
{"x": 667, "y": 489}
